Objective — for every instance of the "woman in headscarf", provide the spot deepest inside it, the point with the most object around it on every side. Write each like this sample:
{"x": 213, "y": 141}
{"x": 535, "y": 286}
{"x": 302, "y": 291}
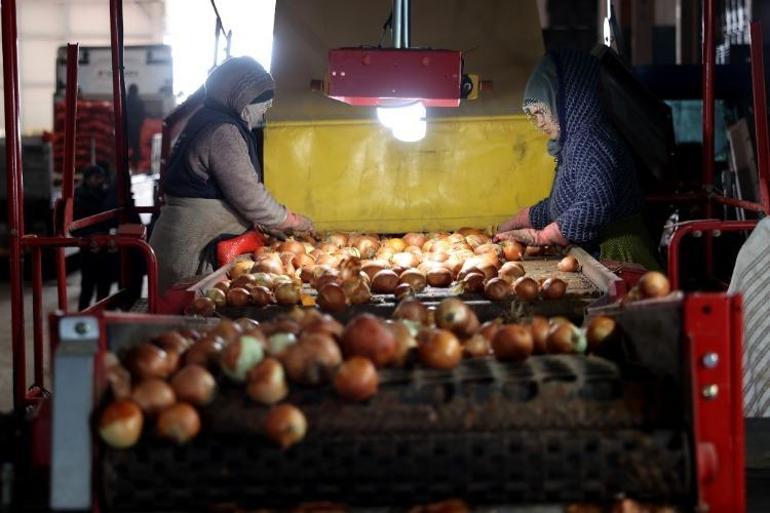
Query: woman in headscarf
{"x": 213, "y": 182}
{"x": 595, "y": 200}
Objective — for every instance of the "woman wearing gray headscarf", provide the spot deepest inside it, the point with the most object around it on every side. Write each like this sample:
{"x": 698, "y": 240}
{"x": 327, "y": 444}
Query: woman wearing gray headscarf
{"x": 213, "y": 182}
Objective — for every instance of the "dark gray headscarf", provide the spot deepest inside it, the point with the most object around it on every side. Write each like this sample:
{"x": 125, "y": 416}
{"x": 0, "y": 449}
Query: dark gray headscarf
{"x": 541, "y": 90}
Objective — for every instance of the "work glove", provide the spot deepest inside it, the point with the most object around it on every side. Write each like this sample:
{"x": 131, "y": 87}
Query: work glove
{"x": 548, "y": 236}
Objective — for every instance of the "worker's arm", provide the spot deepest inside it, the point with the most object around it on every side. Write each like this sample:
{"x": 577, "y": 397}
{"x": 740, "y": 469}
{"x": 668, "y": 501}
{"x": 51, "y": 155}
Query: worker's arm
{"x": 549, "y": 236}
{"x": 230, "y": 165}
{"x": 519, "y": 220}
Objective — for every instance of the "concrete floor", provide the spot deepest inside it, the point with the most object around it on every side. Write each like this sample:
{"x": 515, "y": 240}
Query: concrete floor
{"x": 50, "y": 303}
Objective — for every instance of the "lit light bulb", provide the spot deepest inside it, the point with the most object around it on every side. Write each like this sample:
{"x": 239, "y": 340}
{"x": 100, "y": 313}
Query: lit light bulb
{"x": 407, "y": 123}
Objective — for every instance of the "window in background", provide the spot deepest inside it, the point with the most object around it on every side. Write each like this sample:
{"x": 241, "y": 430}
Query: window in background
{"x": 190, "y": 32}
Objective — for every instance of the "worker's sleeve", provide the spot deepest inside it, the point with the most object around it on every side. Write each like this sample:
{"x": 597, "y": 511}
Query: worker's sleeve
{"x": 595, "y": 194}
{"x": 231, "y": 167}
{"x": 539, "y": 217}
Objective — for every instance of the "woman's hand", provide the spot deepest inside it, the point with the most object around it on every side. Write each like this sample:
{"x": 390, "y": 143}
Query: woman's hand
{"x": 297, "y": 223}
{"x": 527, "y": 236}
{"x": 520, "y": 220}
{"x": 531, "y": 237}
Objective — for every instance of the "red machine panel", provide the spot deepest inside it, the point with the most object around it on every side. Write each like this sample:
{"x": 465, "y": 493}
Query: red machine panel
{"x": 392, "y": 76}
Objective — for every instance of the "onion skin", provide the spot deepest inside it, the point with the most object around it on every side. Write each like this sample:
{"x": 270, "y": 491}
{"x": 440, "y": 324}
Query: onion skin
{"x": 367, "y": 336}
{"x": 266, "y": 383}
{"x": 205, "y": 351}
{"x": 599, "y": 330}
{"x": 439, "y": 277}
{"x": 241, "y": 355}
{"x": 120, "y": 424}
{"x": 539, "y": 328}
{"x": 357, "y": 291}
{"x": 526, "y": 288}
{"x": 441, "y": 350}
{"x": 179, "y": 423}
{"x": 512, "y": 251}
{"x": 653, "y": 285}
{"x": 411, "y": 310}
{"x": 241, "y": 267}
{"x": 195, "y": 385}
{"x": 497, "y": 289}
{"x": 356, "y": 379}
{"x": 146, "y": 361}
{"x": 384, "y": 282}
{"x": 473, "y": 283}
{"x": 405, "y": 259}
{"x": 153, "y": 395}
{"x": 416, "y": 279}
{"x": 512, "y": 342}
{"x": 510, "y": 271}
{"x": 568, "y": 264}
{"x": 238, "y": 297}
{"x": 261, "y": 296}
{"x": 285, "y": 425}
{"x": 203, "y": 306}
{"x": 554, "y": 288}
{"x": 331, "y": 298}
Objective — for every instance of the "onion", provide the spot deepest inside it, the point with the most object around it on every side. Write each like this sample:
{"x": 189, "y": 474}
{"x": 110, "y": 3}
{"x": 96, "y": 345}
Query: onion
{"x": 564, "y": 337}
{"x": 261, "y": 296}
{"x": 416, "y": 279}
{"x": 265, "y": 280}
{"x": 218, "y": 296}
{"x": 312, "y": 360}
{"x": 439, "y": 277}
{"x": 203, "y": 306}
{"x": 414, "y": 239}
{"x": 179, "y": 423}
{"x": 534, "y": 250}
{"x": 654, "y": 284}
{"x": 279, "y": 342}
{"x": 269, "y": 266}
{"x": 497, "y": 289}
{"x": 303, "y": 261}
{"x": 510, "y": 271}
{"x": 568, "y": 264}
{"x": 512, "y": 250}
{"x": 367, "y": 246}
{"x": 120, "y": 424}
{"x": 267, "y": 382}
{"x": 539, "y": 328}
{"x": 411, "y": 310}
{"x": 337, "y": 239}
{"x": 292, "y": 246}
{"x": 553, "y": 288}
{"x": 331, "y": 276}
{"x": 227, "y": 329}
{"x": 241, "y": 267}
{"x": 384, "y": 282}
{"x": 525, "y": 288}
{"x": 441, "y": 350}
{"x": 287, "y": 294}
{"x": 172, "y": 341}
{"x": 489, "y": 329}
{"x": 396, "y": 244}
{"x": 512, "y": 342}
{"x": 477, "y": 346}
{"x": 331, "y": 298}
{"x": 437, "y": 256}
{"x": 153, "y": 395}
{"x": 367, "y": 336}
{"x": 473, "y": 283}
{"x": 454, "y": 315}
{"x": 599, "y": 329}
{"x": 245, "y": 281}
{"x": 195, "y": 385}
{"x": 324, "y": 324}
{"x": 403, "y": 291}
{"x": 241, "y": 355}
{"x": 356, "y": 379}
{"x": 146, "y": 361}
{"x": 205, "y": 351}
{"x": 373, "y": 267}
{"x": 238, "y": 297}
{"x": 285, "y": 425}
{"x": 306, "y": 274}
{"x": 405, "y": 259}
{"x": 405, "y": 341}
{"x": 223, "y": 285}
{"x": 118, "y": 377}
{"x": 357, "y": 291}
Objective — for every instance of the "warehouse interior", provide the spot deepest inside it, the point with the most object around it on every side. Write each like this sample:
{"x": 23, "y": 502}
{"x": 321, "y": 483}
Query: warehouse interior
{"x": 398, "y": 255}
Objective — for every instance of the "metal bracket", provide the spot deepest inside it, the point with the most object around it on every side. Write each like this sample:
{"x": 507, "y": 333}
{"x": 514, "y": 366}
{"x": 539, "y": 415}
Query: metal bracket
{"x": 73, "y": 384}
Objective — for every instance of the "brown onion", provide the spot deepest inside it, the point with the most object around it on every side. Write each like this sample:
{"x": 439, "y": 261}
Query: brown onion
{"x": 153, "y": 395}
{"x": 204, "y": 306}
{"x": 120, "y": 424}
{"x": 411, "y": 310}
{"x": 285, "y": 425}
{"x": 245, "y": 281}
{"x": 405, "y": 259}
{"x": 118, "y": 378}
{"x": 489, "y": 329}
{"x": 405, "y": 341}
{"x": 553, "y": 288}
{"x": 337, "y": 239}
{"x": 324, "y": 324}
{"x": 532, "y": 251}
{"x": 331, "y": 298}
{"x": 217, "y": 296}
{"x": 238, "y": 297}
{"x": 654, "y": 284}
{"x": 512, "y": 342}
{"x": 172, "y": 341}
{"x": 241, "y": 355}
{"x": 356, "y": 379}
{"x": 526, "y": 288}
{"x": 512, "y": 250}
{"x": 568, "y": 264}
{"x": 441, "y": 350}
{"x": 205, "y": 351}
{"x": 312, "y": 360}
{"x": 510, "y": 271}
{"x": 266, "y": 383}
{"x": 287, "y": 294}
{"x": 292, "y": 246}
{"x": 269, "y": 266}
{"x": 473, "y": 283}
{"x": 403, "y": 291}
{"x": 454, "y": 315}
{"x": 373, "y": 267}
{"x": 223, "y": 285}
{"x": 599, "y": 329}
{"x": 148, "y": 361}
{"x": 241, "y": 267}
{"x": 357, "y": 291}
{"x": 477, "y": 346}
{"x": 261, "y": 296}
{"x": 414, "y": 239}
{"x": 497, "y": 289}
{"x": 416, "y": 279}
{"x": 367, "y": 336}
{"x": 439, "y": 277}
{"x": 539, "y": 328}
{"x": 179, "y": 423}
{"x": 195, "y": 385}
{"x": 384, "y": 282}
{"x": 564, "y": 337}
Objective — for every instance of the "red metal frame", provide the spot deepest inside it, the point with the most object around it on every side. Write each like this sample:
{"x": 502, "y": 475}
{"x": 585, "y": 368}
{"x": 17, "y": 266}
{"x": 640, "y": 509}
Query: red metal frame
{"x": 708, "y": 53}
{"x": 713, "y": 326}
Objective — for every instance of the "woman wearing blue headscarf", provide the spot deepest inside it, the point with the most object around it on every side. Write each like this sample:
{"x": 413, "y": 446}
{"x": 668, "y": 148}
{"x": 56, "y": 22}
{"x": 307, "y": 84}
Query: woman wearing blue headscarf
{"x": 595, "y": 200}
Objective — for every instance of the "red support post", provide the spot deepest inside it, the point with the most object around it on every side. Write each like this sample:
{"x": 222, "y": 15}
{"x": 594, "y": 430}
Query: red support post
{"x": 760, "y": 114}
{"x": 708, "y": 58}
{"x": 118, "y": 97}
{"x": 70, "y": 132}
{"x": 37, "y": 315}
{"x": 15, "y": 187}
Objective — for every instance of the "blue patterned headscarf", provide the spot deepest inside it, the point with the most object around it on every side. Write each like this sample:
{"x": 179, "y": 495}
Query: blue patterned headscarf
{"x": 541, "y": 93}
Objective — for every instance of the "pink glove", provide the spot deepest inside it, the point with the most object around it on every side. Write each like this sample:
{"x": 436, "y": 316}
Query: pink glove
{"x": 520, "y": 220}
{"x": 550, "y": 235}
{"x": 296, "y": 223}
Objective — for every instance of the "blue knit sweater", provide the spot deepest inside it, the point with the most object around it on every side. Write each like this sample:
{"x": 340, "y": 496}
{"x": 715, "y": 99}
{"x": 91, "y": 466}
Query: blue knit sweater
{"x": 595, "y": 183}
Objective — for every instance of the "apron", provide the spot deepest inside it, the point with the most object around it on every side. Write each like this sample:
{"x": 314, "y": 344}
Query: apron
{"x": 628, "y": 241}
